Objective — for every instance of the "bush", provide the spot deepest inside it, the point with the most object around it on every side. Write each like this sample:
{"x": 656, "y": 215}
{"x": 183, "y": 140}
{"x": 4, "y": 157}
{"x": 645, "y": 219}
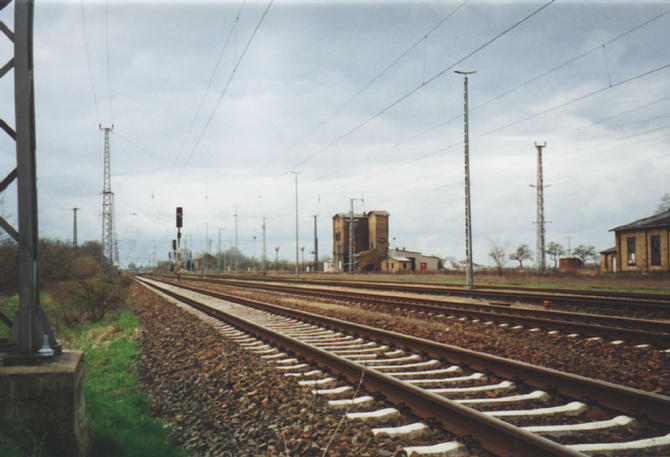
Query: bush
{"x": 89, "y": 299}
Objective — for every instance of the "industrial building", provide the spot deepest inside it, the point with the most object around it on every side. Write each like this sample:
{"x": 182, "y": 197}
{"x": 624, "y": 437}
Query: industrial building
{"x": 369, "y": 243}
{"x": 370, "y": 246}
{"x": 640, "y": 246}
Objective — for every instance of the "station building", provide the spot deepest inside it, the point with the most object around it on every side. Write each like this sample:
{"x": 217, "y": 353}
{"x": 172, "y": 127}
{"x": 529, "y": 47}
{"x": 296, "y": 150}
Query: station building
{"x": 640, "y": 246}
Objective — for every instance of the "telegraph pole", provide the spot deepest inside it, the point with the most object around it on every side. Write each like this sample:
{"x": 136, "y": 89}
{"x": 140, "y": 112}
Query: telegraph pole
{"x": 316, "y": 247}
{"x": 74, "y": 227}
{"x": 236, "y": 253}
{"x": 218, "y": 255}
{"x": 297, "y": 268}
{"x": 539, "y": 221}
{"x": 352, "y": 238}
{"x": 468, "y": 218}
{"x": 107, "y": 204}
{"x": 264, "y": 245}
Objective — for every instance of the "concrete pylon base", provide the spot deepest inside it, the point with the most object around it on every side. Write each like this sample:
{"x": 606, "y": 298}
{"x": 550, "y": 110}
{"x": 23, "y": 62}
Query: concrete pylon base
{"x": 48, "y": 400}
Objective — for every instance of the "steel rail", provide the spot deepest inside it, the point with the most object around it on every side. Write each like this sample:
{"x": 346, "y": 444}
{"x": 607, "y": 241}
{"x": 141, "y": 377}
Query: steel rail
{"x": 621, "y": 398}
{"x": 571, "y": 297}
{"x": 633, "y": 330}
{"x": 495, "y": 435}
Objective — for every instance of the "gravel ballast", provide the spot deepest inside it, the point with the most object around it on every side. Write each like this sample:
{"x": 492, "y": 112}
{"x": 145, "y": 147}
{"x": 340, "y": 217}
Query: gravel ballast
{"x": 221, "y": 400}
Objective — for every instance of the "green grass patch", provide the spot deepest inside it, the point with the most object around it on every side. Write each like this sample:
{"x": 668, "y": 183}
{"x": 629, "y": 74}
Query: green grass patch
{"x": 118, "y": 413}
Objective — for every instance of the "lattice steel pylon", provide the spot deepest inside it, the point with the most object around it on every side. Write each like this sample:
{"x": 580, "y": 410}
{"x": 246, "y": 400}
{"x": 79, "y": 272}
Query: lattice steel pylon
{"x": 30, "y": 333}
{"x": 107, "y": 205}
{"x": 540, "y": 251}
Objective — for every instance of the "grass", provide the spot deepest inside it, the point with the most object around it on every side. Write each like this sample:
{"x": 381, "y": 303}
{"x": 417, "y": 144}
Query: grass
{"x": 118, "y": 413}
{"x": 586, "y": 280}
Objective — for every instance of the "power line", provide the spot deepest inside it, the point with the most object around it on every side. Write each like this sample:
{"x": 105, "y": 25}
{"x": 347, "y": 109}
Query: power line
{"x": 225, "y": 88}
{"x": 393, "y": 63}
{"x": 109, "y": 78}
{"x": 577, "y": 99}
{"x": 211, "y": 78}
{"x": 542, "y": 75}
{"x": 407, "y": 162}
{"x": 144, "y": 150}
{"x": 88, "y": 62}
{"x": 422, "y": 85}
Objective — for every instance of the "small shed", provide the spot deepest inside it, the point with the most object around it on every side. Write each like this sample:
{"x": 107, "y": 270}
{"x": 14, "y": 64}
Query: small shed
{"x": 396, "y": 265}
{"x": 569, "y": 264}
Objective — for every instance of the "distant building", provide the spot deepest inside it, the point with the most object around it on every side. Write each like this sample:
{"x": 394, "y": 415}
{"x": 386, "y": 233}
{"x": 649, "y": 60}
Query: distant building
{"x": 370, "y": 241}
{"x": 642, "y": 245}
{"x": 418, "y": 261}
{"x": 396, "y": 265}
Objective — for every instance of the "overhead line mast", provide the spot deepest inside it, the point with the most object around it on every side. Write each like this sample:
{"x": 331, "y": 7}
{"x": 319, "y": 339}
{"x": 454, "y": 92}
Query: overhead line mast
{"x": 107, "y": 204}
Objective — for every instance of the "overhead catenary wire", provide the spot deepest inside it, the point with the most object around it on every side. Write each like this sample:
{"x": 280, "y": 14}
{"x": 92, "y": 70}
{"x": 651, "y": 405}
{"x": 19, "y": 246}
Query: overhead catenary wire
{"x": 233, "y": 27}
{"x": 371, "y": 82}
{"x": 367, "y": 175}
{"x": 88, "y": 62}
{"x": 420, "y": 86}
{"x": 577, "y": 99}
{"x": 225, "y": 88}
{"x": 109, "y": 77}
{"x": 543, "y": 75}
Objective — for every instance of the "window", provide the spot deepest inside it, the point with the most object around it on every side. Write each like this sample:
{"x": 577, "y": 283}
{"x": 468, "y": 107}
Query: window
{"x": 630, "y": 242}
{"x": 337, "y": 236}
{"x": 656, "y": 250}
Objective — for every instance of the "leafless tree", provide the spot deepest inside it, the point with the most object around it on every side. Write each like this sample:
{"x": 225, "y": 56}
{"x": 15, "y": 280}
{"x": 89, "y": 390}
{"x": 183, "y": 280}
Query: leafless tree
{"x": 498, "y": 254}
{"x": 522, "y": 253}
{"x": 555, "y": 250}
{"x": 665, "y": 204}
{"x": 584, "y": 252}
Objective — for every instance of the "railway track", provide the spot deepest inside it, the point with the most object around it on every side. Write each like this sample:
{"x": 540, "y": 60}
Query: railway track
{"x": 548, "y": 413}
{"x": 636, "y": 331}
{"x": 658, "y": 304}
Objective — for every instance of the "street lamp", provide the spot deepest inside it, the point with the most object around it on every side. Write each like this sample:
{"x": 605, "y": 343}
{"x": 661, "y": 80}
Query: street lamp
{"x": 468, "y": 219}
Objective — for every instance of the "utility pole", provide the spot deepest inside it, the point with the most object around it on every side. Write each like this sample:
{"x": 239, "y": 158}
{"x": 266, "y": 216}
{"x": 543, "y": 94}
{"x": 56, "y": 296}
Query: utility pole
{"x": 297, "y": 268}
{"x": 30, "y": 329}
{"x": 264, "y": 245}
{"x": 352, "y": 238}
{"x": 107, "y": 205}
{"x": 74, "y": 227}
{"x": 468, "y": 218}
{"x": 218, "y": 253}
{"x": 316, "y": 246}
{"x": 236, "y": 253}
{"x": 539, "y": 221}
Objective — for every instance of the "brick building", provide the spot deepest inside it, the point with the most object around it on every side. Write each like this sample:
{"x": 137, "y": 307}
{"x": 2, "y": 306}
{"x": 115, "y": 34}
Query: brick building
{"x": 642, "y": 246}
{"x": 370, "y": 243}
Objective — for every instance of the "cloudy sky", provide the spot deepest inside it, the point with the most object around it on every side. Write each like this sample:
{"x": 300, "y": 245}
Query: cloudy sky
{"x": 215, "y": 103}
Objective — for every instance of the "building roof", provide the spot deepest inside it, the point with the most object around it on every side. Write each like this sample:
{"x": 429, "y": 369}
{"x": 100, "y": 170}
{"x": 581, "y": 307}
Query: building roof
{"x": 655, "y": 221}
{"x": 400, "y": 259}
{"x": 378, "y": 212}
{"x": 611, "y": 250}
{"x": 348, "y": 215}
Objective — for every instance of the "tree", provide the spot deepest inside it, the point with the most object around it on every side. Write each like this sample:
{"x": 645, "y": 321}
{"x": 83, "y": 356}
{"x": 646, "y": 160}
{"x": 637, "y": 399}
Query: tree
{"x": 665, "y": 204}
{"x": 498, "y": 254}
{"x": 555, "y": 250}
{"x": 584, "y": 252}
{"x": 522, "y": 253}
